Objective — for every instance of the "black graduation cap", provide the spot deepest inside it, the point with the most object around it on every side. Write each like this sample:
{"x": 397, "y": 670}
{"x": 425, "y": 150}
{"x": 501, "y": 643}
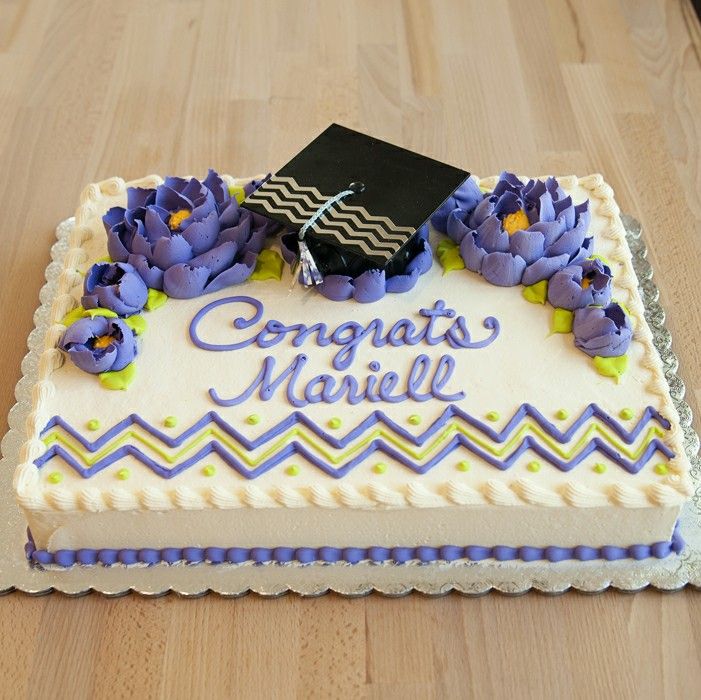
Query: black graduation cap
{"x": 395, "y": 191}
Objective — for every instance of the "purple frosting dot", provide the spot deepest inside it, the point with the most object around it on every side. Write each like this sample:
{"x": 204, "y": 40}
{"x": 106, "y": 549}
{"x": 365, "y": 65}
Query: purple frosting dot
{"x": 330, "y": 554}
{"x": 613, "y": 553}
{"x": 283, "y": 554}
{"x": 378, "y": 554}
{"x": 261, "y": 555}
{"x": 237, "y": 555}
{"x": 128, "y": 556}
{"x": 107, "y": 557}
{"x": 530, "y": 553}
{"x": 215, "y": 555}
{"x": 558, "y": 553}
{"x": 86, "y": 557}
{"x": 149, "y": 556}
{"x": 353, "y": 555}
{"x": 639, "y": 551}
{"x": 476, "y": 553}
{"x": 584, "y": 553}
{"x": 64, "y": 557}
{"x": 503, "y": 553}
{"x": 660, "y": 550}
{"x": 305, "y": 555}
{"x": 451, "y": 552}
{"x": 426, "y": 554}
{"x": 193, "y": 555}
{"x": 41, "y": 556}
{"x": 402, "y": 554}
{"x": 171, "y": 555}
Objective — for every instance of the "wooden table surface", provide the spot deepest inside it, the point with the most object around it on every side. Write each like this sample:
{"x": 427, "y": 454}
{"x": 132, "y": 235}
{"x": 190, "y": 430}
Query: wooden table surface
{"x": 90, "y": 90}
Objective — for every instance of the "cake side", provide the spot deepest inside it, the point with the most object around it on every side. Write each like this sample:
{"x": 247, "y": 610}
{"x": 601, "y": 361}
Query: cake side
{"x": 441, "y": 500}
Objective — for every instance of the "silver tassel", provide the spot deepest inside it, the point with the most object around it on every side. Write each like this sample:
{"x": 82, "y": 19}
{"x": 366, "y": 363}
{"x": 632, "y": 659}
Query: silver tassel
{"x": 310, "y": 272}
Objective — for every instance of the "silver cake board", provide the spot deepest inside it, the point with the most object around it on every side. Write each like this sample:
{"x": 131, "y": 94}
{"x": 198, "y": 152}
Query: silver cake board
{"x": 469, "y": 578}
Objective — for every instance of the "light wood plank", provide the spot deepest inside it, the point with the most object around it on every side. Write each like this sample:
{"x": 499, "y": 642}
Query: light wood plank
{"x": 90, "y": 90}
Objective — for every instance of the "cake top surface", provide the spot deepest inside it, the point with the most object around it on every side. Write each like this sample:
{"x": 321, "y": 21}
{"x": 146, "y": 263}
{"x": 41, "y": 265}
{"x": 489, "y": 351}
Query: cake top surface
{"x": 454, "y": 392}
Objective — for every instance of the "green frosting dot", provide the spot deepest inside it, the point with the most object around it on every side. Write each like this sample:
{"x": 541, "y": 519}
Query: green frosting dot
{"x": 661, "y": 469}
{"x": 335, "y": 423}
{"x": 123, "y": 474}
{"x": 170, "y": 422}
{"x": 562, "y": 414}
{"x": 493, "y": 416}
{"x": 380, "y": 468}
{"x": 209, "y": 470}
{"x": 55, "y": 477}
{"x": 253, "y": 419}
{"x": 533, "y": 466}
{"x": 599, "y": 468}
{"x": 415, "y": 419}
{"x": 463, "y": 466}
{"x": 93, "y": 424}
{"x": 292, "y": 470}
{"x": 626, "y": 413}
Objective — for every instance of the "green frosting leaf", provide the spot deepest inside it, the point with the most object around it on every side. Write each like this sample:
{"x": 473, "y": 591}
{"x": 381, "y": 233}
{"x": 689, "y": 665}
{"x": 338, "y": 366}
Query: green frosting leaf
{"x": 118, "y": 380}
{"x": 604, "y": 260}
{"x": 72, "y": 316}
{"x": 137, "y": 323}
{"x": 155, "y": 300}
{"x": 448, "y": 254}
{"x": 537, "y": 293}
{"x": 100, "y": 312}
{"x": 106, "y": 259}
{"x": 611, "y": 366}
{"x": 237, "y": 192}
{"x": 269, "y": 266}
{"x": 562, "y": 321}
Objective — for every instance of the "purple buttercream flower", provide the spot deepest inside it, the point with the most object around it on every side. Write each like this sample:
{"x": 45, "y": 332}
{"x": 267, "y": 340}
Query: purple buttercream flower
{"x": 114, "y": 286}
{"x": 466, "y": 197}
{"x": 522, "y": 233}
{"x": 99, "y": 344}
{"x": 603, "y": 331}
{"x": 187, "y": 237}
{"x": 583, "y": 284}
{"x": 370, "y": 285}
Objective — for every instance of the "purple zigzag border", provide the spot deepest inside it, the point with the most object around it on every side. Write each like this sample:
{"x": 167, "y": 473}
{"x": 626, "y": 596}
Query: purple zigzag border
{"x": 377, "y": 445}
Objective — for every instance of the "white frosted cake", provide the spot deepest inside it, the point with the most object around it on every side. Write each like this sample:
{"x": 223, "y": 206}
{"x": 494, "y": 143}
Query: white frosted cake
{"x": 192, "y": 406}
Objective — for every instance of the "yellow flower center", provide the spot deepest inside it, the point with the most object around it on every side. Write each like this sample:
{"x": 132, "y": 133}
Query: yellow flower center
{"x": 585, "y": 283}
{"x": 177, "y": 217}
{"x": 104, "y": 341}
{"x": 518, "y": 221}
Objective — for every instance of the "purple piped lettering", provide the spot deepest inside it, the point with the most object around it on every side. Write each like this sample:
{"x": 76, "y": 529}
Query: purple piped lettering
{"x": 348, "y": 337}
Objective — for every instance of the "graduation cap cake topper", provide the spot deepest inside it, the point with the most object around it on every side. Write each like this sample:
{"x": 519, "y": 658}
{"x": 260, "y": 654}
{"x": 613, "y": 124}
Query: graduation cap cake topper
{"x": 355, "y": 201}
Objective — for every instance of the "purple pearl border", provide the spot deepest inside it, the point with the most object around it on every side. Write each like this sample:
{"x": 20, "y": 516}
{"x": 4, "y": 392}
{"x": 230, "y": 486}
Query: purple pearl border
{"x": 350, "y": 555}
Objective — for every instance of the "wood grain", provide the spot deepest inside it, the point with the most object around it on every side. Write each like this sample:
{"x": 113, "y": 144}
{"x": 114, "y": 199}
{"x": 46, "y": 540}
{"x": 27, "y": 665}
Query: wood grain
{"x": 90, "y": 90}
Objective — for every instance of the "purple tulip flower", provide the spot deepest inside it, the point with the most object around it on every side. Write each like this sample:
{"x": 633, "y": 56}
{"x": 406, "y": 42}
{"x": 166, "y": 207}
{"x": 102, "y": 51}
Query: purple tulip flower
{"x": 114, "y": 286}
{"x": 466, "y": 197}
{"x": 99, "y": 344}
{"x": 605, "y": 332}
{"x": 522, "y": 233}
{"x": 585, "y": 284}
{"x": 187, "y": 237}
